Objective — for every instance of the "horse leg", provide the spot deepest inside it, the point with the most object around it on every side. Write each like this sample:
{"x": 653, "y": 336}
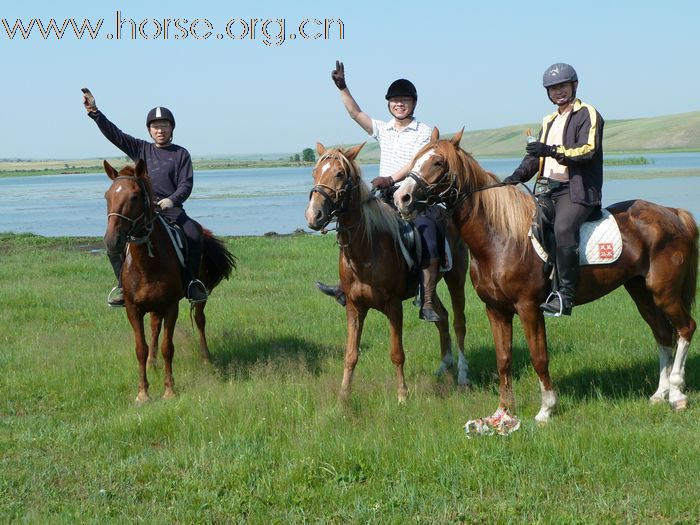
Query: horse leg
{"x": 668, "y": 298}
{"x": 156, "y": 323}
{"x": 167, "y": 348}
{"x": 398, "y": 357}
{"x": 356, "y": 318}
{"x": 536, "y": 334}
{"x": 455, "y": 281}
{"x": 201, "y": 322}
{"x": 685, "y": 328}
{"x": 443, "y": 328}
{"x": 136, "y": 321}
{"x": 663, "y": 333}
{"x": 502, "y": 330}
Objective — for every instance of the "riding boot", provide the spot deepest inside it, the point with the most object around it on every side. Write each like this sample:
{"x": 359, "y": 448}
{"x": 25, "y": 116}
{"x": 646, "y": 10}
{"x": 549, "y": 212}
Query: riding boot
{"x": 334, "y": 291}
{"x": 431, "y": 274}
{"x": 568, "y": 270}
{"x": 195, "y": 291}
{"x": 115, "y": 298}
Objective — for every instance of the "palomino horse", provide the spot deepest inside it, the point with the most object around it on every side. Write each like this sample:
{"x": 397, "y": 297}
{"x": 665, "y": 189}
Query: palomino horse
{"x": 658, "y": 265}
{"x": 373, "y": 271}
{"x": 151, "y": 271}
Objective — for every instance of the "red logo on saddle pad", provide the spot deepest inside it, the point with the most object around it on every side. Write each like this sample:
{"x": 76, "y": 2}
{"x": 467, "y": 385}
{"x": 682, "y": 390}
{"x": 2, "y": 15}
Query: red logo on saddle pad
{"x": 606, "y": 251}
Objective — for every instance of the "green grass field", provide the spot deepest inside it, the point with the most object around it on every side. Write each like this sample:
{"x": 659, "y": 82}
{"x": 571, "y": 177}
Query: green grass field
{"x": 260, "y": 436}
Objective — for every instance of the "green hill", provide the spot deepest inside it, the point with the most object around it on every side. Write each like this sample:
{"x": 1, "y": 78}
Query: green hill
{"x": 667, "y": 133}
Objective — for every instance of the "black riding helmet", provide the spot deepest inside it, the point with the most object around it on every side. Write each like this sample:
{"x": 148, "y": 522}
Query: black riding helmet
{"x": 160, "y": 113}
{"x": 559, "y": 73}
{"x": 401, "y": 88}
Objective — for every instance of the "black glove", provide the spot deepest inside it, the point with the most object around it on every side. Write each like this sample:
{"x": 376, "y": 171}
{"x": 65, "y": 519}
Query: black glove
{"x": 338, "y": 75}
{"x": 382, "y": 182}
{"x": 513, "y": 179}
{"x": 539, "y": 149}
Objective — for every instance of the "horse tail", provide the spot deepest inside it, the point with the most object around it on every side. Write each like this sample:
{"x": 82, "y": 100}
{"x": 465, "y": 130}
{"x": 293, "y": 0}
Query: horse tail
{"x": 692, "y": 277}
{"x": 217, "y": 261}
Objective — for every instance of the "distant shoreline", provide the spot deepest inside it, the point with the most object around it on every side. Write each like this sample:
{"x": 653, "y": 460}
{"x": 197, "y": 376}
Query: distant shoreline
{"x": 52, "y": 167}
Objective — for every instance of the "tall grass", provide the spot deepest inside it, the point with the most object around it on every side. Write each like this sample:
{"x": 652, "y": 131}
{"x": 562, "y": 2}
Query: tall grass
{"x": 260, "y": 437}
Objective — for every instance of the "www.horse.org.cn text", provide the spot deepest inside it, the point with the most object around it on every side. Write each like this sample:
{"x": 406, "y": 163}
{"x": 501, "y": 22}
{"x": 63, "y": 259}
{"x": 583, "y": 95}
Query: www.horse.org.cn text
{"x": 271, "y": 32}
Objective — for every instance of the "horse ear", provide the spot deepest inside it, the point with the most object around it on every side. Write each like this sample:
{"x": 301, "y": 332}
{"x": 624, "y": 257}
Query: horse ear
{"x": 320, "y": 148}
{"x": 109, "y": 170}
{"x": 352, "y": 152}
{"x": 458, "y": 137}
{"x": 140, "y": 169}
{"x": 435, "y": 136}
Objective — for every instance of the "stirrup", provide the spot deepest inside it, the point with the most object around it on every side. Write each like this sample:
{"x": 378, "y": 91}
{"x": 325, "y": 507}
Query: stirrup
{"x": 115, "y": 304}
{"x": 189, "y": 296}
{"x": 551, "y": 296}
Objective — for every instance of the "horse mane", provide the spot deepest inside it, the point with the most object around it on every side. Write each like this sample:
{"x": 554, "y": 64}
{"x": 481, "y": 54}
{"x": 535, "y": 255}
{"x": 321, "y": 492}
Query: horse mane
{"x": 507, "y": 210}
{"x": 377, "y": 216}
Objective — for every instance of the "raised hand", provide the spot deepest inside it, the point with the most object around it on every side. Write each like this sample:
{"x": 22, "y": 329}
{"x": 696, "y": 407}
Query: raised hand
{"x": 88, "y": 100}
{"x": 338, "y": 75}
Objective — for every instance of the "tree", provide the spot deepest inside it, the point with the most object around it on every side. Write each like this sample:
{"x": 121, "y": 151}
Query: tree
{"x": 296, "y": 158}
{"x": 308, "y": 155}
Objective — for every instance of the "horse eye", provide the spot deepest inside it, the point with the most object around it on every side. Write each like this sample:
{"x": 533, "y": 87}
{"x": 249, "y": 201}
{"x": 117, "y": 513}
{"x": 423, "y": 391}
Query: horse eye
{"x": 340, "y": 175}
{"x": 440, "y": 163}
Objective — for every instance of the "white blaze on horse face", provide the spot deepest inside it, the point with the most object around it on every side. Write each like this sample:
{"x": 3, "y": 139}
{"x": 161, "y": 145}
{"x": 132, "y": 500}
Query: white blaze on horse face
{"x": 418, "y": 166}
{"x": 325, "y": 168}
{"x": 118, "y": 189}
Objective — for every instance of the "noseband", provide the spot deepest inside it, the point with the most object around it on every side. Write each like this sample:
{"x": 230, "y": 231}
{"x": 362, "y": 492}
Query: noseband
{"x": 449, "y": 196}
{"x": 142, "y": 223}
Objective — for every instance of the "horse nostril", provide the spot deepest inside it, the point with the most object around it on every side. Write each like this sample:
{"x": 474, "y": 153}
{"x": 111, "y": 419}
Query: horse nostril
{"x": 405, "y": 198}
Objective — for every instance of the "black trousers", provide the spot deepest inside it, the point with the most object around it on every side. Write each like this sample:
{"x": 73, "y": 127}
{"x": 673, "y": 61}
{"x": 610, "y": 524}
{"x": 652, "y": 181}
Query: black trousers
{"x": 432, "y": 235}
{"x": 568, "y": 217}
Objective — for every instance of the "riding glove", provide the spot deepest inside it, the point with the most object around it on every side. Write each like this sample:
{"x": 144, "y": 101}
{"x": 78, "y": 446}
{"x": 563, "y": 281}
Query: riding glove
{"x": 88, "y": 100}
{"x": 539, "y": 149}
{"x": 165, "y": 203}
{"x": 338, "y": 75}
{"x": 382, "y": 182}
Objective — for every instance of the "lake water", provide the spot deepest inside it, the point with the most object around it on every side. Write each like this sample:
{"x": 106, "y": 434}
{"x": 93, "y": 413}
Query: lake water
{"x": 257, "y": 201}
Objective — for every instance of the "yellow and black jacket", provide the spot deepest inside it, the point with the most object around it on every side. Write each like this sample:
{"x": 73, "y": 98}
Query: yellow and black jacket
{"x": 581, "y": 153}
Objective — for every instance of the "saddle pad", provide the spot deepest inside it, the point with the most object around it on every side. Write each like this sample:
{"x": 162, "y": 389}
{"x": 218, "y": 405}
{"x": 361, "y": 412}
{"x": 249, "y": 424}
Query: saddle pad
{"x": 601, "y": 242}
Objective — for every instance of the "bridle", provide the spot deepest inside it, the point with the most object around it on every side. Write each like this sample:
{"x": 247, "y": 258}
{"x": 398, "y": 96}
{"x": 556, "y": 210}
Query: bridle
{"x": 337, "y": 200}
{"x": 451, "y": 196}
{"x": 143, "y": 224}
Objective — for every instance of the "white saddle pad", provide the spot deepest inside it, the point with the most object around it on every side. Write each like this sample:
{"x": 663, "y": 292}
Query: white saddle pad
{"x": 601, "y": 242}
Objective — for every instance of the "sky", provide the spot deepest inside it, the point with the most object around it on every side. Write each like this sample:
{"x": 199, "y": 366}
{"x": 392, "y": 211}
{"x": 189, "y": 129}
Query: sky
{"x": 475, "y": 64}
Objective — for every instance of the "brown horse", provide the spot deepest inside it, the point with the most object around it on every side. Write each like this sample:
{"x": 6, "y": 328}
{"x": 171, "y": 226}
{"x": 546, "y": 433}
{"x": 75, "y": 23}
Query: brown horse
{"x": 658, "y": 265}
{"x": 151, "y": 271}
{"x": 373, "y": 271}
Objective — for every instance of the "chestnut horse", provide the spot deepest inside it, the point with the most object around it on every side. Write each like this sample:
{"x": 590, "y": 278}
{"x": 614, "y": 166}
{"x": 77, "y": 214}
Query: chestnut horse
{"x": 151, "y": 272}
{"x": 373, "y": 271}
{"x": 658, "y": 265}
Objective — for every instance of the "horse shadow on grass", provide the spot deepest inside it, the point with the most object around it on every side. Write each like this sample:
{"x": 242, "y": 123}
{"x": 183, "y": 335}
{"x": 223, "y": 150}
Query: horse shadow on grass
{"x": 639, "y": 380}
{"x": 237, "y": 357}
{"x": 483, "y": 370}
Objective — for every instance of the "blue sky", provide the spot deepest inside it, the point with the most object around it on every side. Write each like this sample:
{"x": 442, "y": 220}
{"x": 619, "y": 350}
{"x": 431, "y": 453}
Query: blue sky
{"x": 477, "y": 65}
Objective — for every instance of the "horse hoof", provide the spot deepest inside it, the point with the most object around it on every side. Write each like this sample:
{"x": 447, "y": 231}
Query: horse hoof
{"x": 169, "y": 394}
{"x": 656, "y": 400}
{"x": 680, "y": 404}
{"x": 142, "y": 398}
{"x": 542, "y": 419}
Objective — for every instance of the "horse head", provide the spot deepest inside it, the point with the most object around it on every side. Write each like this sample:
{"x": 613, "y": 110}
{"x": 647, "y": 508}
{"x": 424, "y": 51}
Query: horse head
{"x": 129, "y": 205}
{"x": 335, "y": 177}
{"x": 432, "y": 178}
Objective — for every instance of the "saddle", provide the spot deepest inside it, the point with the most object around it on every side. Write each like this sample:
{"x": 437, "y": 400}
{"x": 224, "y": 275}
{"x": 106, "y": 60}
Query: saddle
{"x": 600, "y": 239}
{"x": 410, "y": 241}
{"x": 177, "y": 238}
